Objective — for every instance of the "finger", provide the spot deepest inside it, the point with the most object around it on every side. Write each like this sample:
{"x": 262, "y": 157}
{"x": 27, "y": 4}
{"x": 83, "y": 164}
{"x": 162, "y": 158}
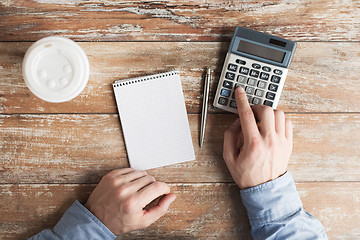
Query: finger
{"x": 140, "y": 183}
{"x": 152, "y": 191}
{"x": 129, "y": 177}
{"x": 279, "y": 122}
{"x": 231, "y": 139}
{"x": 160, "y": 209}
{"x": 266, "y": 119}
{"x": 121, "y": 171}
{"x": 247, "y": 119}
{"x": 288, "y": 129}
{"x": 120, "y": 179}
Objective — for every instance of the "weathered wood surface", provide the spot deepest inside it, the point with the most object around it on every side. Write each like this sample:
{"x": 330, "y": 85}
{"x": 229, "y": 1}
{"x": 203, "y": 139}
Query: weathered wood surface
{"x": 201, "y": 211}
{"x": 323, "y": 77}
{"x": 327, "y": 20}
{"x": 82, "y": 148}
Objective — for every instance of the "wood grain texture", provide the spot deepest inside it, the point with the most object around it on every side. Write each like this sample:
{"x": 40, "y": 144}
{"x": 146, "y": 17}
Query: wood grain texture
{"x": 201, "y": 211}
{"x": 323, "y": 77}
{"x": 326, "y": 20}
{"x": 82, "y": 148}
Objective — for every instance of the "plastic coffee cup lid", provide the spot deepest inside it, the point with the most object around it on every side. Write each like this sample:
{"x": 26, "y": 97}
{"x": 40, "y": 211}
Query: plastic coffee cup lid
{"x": 55, "y": 69}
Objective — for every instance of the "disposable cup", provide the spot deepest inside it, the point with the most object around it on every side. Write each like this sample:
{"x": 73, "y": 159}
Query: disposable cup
{"x": 55, "y": 69}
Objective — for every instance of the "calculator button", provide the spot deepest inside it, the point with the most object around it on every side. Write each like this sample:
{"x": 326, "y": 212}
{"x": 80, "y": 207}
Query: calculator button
{"x": 241, "y": 79}
{"x": 224, "y": 92}
{"x": 256, "y": 66}
{"x": 261, "y": 84}
{"x": 275, "y": 79}
{"x": 270, "y": 95}
{"x": 252, "y": 81}
{"x": 273, "y": 87}
{"x": 223, "y": 101}
{"x": 244, "y": 70}
{"x": 259, "y": 93}
{"x": 239, "y": 85}
{"x": 239, "y": 61}
{"x": 266, "y": 69}
{"x": 228, "y": 84}
{"x": 233, "y": 104}
{"x": 277, "y": 71}
{"x": 254, "y": 73}
{"x": 256, "y": 100}
{"x": 268, "y": 103}
{"x": 230, "y": 76}
{"x": 249, "y": 98}
{"x": 232, "y": 67}
{"x": 264, "y": 76}
{"x": 250, "y": 90}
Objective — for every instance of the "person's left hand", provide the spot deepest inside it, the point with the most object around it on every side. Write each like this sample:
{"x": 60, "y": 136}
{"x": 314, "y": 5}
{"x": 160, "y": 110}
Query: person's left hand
{"x": 121, "y": 196}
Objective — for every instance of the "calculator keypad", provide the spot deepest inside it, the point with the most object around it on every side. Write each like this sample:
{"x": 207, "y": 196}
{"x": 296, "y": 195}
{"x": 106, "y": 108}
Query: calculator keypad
{"x": 261, "y": 83}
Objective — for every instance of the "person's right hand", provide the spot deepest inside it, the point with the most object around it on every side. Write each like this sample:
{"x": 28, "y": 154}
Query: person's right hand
{"x": 257, "y": 147}
{"x": 119, "y": 200}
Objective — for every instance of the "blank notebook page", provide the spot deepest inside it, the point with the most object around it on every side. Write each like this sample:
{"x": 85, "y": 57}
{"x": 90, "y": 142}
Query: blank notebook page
{"x": 154, "y": 120}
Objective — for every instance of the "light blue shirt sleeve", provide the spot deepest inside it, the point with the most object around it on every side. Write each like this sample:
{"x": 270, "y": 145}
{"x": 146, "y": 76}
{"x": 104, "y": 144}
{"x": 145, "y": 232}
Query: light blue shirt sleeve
{"x": 275, "y": 211}
{"x": 76, "y": 223}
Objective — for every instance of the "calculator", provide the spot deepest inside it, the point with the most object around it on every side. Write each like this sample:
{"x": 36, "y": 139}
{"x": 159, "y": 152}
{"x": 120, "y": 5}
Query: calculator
{"x": 257, "y": 62}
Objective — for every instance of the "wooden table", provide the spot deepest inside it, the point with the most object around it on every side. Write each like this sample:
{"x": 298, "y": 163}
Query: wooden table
{"x": 52, "y": 154}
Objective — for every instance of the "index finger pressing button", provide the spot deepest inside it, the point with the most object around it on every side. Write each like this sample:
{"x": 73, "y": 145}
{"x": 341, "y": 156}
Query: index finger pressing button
{"x": 246, "y": 115}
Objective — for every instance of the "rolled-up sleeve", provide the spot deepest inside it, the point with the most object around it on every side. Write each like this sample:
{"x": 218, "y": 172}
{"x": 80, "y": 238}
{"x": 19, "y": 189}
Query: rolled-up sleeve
{"x": 275, "y": 211}
{"x": 76, "y": 223}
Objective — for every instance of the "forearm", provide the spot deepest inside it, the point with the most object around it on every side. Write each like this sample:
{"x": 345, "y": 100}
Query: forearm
{"x": 275, "y": 211}
{"x": 76, "y": 223}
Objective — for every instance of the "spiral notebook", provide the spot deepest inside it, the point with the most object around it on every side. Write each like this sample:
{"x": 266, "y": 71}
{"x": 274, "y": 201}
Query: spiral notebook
{"x": 154, "y": 120}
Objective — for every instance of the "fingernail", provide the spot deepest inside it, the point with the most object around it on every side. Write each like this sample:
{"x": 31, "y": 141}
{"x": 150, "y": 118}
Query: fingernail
{"x": 240, "y": 89}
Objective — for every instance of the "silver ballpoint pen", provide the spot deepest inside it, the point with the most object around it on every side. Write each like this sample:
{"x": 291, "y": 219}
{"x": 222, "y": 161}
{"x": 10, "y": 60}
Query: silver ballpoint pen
{"x": 205, "y": 106}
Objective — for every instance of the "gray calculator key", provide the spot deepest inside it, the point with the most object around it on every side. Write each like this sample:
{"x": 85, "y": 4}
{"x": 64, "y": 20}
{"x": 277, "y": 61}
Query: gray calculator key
{"x": 256, "y": 100}
{"x": 259, "y": 93}
{"x": 223, "y": 101}
{"x": 252, "y": 82}
{"x": 239, "y": 85}
{"x": 225, "y": 92}
{"x": 275, "y": 79}
{"x": 244, "y": 70}
{"x": 228, "y": 84}
{"x": 250, "y": 90}
{"x": 241, "y": 79}
{"x": 232, "y": 67}
{"x": 233, "y": 104}
{"x": 249, "y": 98}
{"x": 261, "y": 85}
{"x": 230, "y": 76}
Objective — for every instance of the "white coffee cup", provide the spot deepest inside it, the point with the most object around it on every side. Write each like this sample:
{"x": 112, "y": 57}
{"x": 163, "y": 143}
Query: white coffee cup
{"x": 55, "y": 69}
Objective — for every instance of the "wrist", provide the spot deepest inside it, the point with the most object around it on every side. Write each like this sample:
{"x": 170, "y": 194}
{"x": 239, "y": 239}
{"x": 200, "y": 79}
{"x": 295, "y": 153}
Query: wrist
{"x": 250, "y": 181}
{"x": 271, "y": 200}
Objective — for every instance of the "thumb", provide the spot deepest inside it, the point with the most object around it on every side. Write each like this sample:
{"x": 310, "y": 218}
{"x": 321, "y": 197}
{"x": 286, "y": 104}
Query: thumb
{"x": 160, "y": 209}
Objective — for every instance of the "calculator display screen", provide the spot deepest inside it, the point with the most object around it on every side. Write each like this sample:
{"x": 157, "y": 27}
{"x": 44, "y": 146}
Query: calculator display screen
{"x": 261, "y": 51}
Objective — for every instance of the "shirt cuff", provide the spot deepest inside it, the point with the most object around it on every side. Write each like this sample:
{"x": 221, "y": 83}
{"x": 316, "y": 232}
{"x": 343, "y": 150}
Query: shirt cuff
{"x": 78, "y": 221}
{"x": 271, "y": 201}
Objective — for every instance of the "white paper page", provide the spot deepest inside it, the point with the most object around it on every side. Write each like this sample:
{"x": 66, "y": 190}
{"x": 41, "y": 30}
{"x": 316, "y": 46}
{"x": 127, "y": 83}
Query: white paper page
{"x": 154, "y": 121}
